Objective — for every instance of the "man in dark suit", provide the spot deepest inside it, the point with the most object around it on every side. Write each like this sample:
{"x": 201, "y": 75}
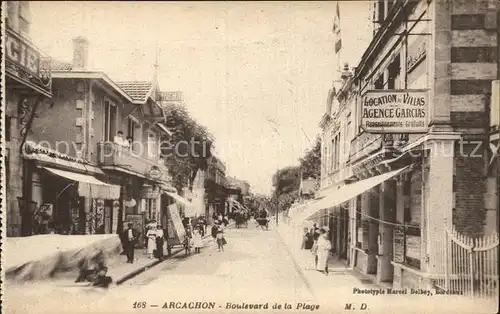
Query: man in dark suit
{"x": 130, "y": 237}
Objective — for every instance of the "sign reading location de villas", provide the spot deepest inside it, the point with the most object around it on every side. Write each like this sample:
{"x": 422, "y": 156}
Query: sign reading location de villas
{"x": 395, "y": 111}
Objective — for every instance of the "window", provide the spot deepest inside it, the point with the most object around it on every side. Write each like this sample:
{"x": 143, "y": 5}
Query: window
{"x": 380, "y": 11}
{"x": 132, "y": 125}
{"x": 337, "y": 151}
{"x": 347, "y": 138}
{"x": 152, "y": 145}
{"x": 333, "y": 154}
{"x": 109, "y": 121}
{"x": 7, "y": 128}
{"x": 393, "y": 81}
{"x": 24, "y": 17}
{"x": 379, "y": 82}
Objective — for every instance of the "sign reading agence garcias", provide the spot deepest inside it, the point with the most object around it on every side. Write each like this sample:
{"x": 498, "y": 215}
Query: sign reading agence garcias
{"x": 395, "y": 111}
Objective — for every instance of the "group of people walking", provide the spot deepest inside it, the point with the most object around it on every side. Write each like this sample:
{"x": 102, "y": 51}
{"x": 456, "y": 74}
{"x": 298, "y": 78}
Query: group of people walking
{"x": 316, "y": 239}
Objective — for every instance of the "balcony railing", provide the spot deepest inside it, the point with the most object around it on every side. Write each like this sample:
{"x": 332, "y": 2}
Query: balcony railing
{"x": 363, "y": 144}
{"x": 114, "y": 155}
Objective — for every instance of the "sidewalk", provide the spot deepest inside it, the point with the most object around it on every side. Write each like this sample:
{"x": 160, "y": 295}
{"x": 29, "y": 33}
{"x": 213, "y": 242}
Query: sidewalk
{"x": 340, "y": 281}
{"x": 344, "y": 287}
{"x": 118, "y": 268}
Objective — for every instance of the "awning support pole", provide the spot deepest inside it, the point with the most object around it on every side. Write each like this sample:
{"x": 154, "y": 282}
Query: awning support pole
{"x": 67, "y": 186}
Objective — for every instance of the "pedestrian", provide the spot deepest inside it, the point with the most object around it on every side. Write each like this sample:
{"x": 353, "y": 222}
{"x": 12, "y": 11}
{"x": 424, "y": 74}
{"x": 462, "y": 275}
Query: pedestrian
{"x": 214, "y": 230}
{"x": 151, "y": 236}
{"x": 221, "y": 241}
{"x": 197, "y": 241}
{"x": 130, "y": 237}
{"x": 323, "y": 248}
{"x": 101, "y": 279}
{"x": 305, "y": 239}
{"x": 309, "y": 240}
{"x": 159, "y": 242}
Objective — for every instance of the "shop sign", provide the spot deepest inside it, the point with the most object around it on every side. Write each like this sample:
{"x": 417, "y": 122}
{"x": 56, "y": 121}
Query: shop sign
{"x": 395, "y": 111}
{"x": 170, "y": 96}
{"x": 24, "y": 62}
{"x": 148, "y": 192}
{"x": 154, "y": 173}
{"x": 416, "y": 53}
{"x": 413, "y": 247}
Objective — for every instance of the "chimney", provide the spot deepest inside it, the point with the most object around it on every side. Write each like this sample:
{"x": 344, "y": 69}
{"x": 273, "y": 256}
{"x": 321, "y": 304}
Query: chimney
{"x": 80, "y": 53}
{"x": 346, "y": 73}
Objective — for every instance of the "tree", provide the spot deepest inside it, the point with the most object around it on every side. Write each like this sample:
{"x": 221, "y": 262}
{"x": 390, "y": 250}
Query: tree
{"x": 286, "y": 182}
{"x": 311, "y": 162}
{"x": 189, "y": 147}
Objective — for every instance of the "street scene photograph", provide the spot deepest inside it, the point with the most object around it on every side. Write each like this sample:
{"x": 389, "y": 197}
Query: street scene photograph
{"x": 250, "y": 156}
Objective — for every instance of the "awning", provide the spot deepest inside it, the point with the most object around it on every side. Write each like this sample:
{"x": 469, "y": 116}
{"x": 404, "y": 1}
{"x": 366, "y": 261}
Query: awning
{"x": 168, "y": 188}
{"x": 349, "y": 191}
{"x": 179, "y": 199}
{"x": 89, "y": 186}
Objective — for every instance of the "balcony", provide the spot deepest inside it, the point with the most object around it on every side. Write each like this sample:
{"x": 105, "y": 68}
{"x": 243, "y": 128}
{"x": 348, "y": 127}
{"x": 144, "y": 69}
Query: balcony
{"x": 364, "y": 144}
{"x": 115, "y": 157}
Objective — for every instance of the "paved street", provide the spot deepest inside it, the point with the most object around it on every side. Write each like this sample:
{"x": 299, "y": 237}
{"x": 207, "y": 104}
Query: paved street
{"x": 254, "y": 268}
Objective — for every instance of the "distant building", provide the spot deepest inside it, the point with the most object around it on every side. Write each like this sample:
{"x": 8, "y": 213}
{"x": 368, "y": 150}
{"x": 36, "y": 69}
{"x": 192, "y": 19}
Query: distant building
{"x": 215, "y": 188}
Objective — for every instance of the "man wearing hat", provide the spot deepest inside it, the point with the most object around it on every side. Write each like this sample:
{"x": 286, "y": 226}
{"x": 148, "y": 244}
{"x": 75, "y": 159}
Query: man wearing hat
{"x": 130, "y": 236}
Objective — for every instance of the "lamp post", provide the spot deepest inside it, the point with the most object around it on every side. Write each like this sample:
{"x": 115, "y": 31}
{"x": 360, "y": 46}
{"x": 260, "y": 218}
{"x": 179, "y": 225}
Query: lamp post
{"x": 278, "y": 135}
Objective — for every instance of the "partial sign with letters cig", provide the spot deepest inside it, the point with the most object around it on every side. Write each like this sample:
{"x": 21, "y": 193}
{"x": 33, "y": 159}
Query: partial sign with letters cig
{"x": 21, "y": 53}
{"x": 395, "y": 111}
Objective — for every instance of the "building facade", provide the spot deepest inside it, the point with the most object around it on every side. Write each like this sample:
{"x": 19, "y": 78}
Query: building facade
{"x": 423, "y": 118}
{"x": 215, "y": 188}
{"x": 28, "y": 86}
{"x": 93, "y": 153}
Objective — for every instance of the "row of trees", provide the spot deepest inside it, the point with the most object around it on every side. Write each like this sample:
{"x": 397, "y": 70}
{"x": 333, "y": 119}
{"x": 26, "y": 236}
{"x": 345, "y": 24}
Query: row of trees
{"x": 183, "y": 166}
{"x": 286, "y": 181}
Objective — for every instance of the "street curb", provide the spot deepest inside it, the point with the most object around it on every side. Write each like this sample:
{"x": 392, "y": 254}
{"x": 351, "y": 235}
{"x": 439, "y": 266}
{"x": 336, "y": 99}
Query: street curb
{"x": 146, "y": 267}
{"x": 296, "y": 265}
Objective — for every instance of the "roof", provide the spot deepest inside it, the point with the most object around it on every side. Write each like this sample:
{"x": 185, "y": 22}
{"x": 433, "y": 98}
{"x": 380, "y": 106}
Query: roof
{"x": 137, "y": 90}
{"x": 91, "y": 75}
{"x": 56, "y": 65}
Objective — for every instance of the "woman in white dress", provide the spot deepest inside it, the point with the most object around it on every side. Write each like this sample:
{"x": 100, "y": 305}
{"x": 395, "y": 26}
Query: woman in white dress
{"x": 197, "y": 241}
{"x": 151, "y": 235}
{"x": 323, "y": 251}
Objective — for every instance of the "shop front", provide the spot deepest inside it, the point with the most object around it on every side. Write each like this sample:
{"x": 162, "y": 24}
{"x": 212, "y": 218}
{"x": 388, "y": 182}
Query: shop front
{"x": 67, "y": 196}
{"x": 28, "y": 82}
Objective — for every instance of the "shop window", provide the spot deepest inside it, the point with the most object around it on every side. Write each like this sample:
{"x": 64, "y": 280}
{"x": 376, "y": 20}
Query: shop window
{"x": 412, "y": 230}
{"x": 359, "y": 227}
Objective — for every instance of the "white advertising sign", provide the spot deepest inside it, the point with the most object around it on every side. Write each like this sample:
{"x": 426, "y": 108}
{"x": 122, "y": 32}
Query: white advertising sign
{"x": 395, "y": 111}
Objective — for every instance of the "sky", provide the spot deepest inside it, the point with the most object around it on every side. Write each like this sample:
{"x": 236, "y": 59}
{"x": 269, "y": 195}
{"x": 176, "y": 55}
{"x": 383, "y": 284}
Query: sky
{"x": 256, "y": 74}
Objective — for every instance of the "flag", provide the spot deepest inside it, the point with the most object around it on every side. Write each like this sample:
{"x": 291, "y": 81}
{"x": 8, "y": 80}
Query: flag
{"x": 336, "y": 29}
